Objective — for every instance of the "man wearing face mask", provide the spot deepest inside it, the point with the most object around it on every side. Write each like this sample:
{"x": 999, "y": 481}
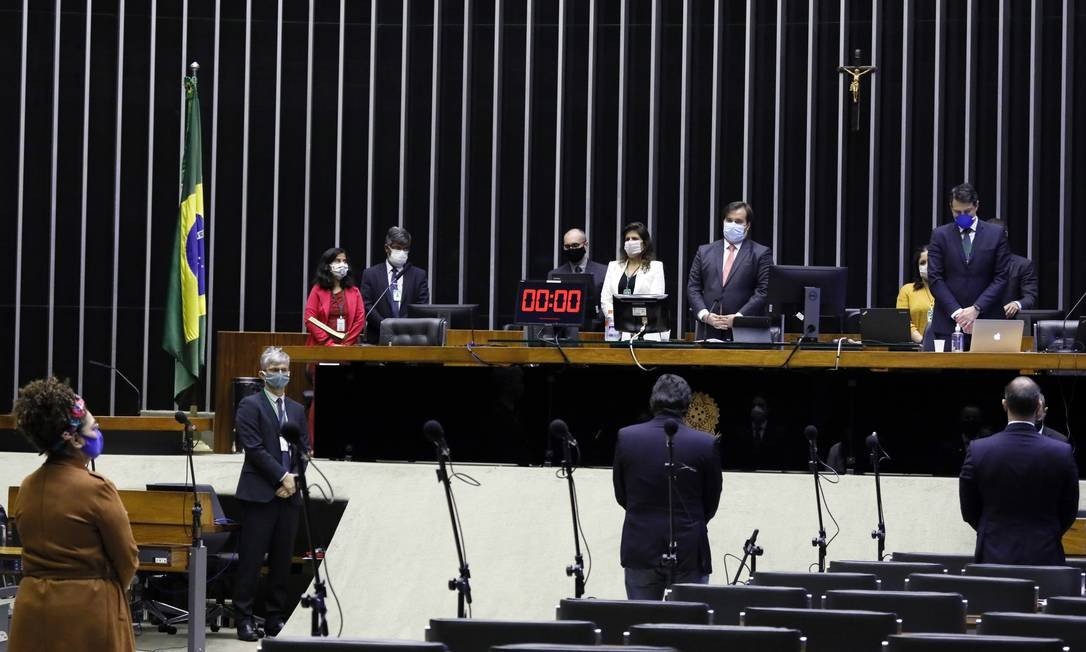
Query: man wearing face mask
{"x": 757, "y": 443}
{"x": 268, "y": 495}
{"x": 575, "y": 254}
{"x": 967, "y": 269}
{"x": 390, "y": 286}
{"x": 729, "y": 277}
{"x": 1021, "y": 292}
{"x": 1042, "y": 427}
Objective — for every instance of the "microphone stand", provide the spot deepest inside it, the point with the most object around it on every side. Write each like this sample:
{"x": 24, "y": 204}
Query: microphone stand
{"x": 751, "y": 551}
{"x": 197, "y": 602}
{"x": 462, "y": 583}
{"x": 879, "y": 533}
{"x": 670, "y": 558}
{"x": 316, "y": 600}
{"x": 576, "y": 569}
{"x": 820, "y": 540}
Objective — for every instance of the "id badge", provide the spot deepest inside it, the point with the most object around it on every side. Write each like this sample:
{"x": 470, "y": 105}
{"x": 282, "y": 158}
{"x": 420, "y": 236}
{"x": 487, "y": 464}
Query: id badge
{"x": 397, "y": 295}
{"x": 341, "y": 324}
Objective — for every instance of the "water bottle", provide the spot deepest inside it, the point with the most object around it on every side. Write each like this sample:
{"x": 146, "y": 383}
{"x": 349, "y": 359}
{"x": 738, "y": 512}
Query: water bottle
{"x": 611, "y": 333}
{"x": 957, "y": 340}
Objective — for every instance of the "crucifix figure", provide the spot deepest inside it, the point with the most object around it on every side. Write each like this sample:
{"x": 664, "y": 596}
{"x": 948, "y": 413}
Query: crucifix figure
{"x": 856, "y": 71}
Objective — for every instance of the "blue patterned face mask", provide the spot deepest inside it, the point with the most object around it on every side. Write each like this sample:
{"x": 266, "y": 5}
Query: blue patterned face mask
{"x": 92, "y": 446}
{"x": 276, "y": 380}
{"x": 963, "y": 220}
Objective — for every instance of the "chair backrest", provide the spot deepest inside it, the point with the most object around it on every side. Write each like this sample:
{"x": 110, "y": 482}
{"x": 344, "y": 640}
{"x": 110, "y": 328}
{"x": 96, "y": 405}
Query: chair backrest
{"x": 615, "y": 617}
{"x": 952, "y": 562}
{"x": 829, "y": 629}
{"x": 1070, "y": 629}
{"x": 558, "y": 647}
{"x": 1065, "y": 606}
{"x": 891, "y": 574}
{"x": 727, "y": 601}
{"x": 475, "y": 635}
{"x": 818, "y": 583}
{"x": 1047, "y": 332}
{"x": 970, "y": 643}
{"x": 982, "y": 593}
{"x": 919, "y": 611}
{"x": 407, "y": 331}
{"x": 309, "y": 644}
{"x": 714, "y": 638}
{"x": 1050, "y": 580}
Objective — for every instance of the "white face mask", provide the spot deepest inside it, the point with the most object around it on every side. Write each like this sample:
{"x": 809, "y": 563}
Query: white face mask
{"x": 632, "y": 247}
{"x": 398, "y": 257}
{"x": 339, "y": 270}
{"x": 923, "y": 271}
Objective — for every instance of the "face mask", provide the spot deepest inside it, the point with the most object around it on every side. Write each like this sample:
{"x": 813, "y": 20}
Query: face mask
{"x": 632, "y": 247}
{"x": 734, "y": 233}
{"x": 276, "y": 379}
{"x": 573, "y": 255}
{"x": 923, "y": 271}
{"x": 339, "y": 270}
{"x": 92, "y": 446}
{"x": 963, "y": 220}
{"x": 398, "y": 257}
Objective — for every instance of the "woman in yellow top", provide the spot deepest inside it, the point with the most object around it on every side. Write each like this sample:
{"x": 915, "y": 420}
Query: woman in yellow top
{"x": 916, "y": 296}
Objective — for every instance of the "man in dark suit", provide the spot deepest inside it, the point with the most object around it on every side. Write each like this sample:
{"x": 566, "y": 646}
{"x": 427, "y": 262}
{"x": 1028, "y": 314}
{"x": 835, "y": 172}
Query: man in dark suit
{"x": 575, "y": 253}
{"x": 1043, "y": 428}
{"x": 640, "y": 479}
{"x": 1021, "y": 292}
{"x": 1018, "y": 489}
{"x": 967, "y": 269}
{"x": 390, "y": 286}
{"x": 268, "y": 495}
{"x": 729, "y": 277}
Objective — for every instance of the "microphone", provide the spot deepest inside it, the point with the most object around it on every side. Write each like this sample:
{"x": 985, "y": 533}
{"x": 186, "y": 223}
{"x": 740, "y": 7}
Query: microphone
{"x": 750, "y": 546}
{"x": 874, "y": 447}
{"x": 293, "y": 435}
{"x": 560, "y": 431}
{"x": 435, "y": 434}
{"x": 388, "y": 287}
{"x": 139, "y": 396}
{"x": 671, "y": 426}
{"x": 183, "y": 419}
{"x": 811, "y": 433}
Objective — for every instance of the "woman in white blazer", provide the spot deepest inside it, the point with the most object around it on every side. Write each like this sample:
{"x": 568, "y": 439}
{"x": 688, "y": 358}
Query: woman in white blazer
{"x": 635, "y": 272}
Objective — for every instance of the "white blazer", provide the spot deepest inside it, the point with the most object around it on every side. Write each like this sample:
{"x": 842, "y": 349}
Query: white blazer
{"x": 649, "y": 281}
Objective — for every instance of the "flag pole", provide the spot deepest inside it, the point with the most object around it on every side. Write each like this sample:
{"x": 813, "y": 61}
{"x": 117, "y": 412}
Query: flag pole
{"x": 195, "y": 67}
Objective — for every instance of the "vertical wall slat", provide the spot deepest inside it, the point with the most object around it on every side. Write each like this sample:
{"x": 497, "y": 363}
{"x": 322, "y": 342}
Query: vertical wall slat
{"x": 969, "y": 133}
{"x": 654, "y": 114}
{"x": 590, "y": 120}
{"x": 275, "y": 161}
{"x": 937, "y": 115}
{"x": 371, "y": 106}
{"x": 623, "y": 84}
{"x": 19, "y": 206}
{"x": 83, "y": 207}
{"x": 1002, "y": 98}
{"x": 684, "y": 126}
{"x": 906, "y": 154}
{"x": 559, "y": 102}
{"x": 405, "y": 51}
{"x": 53, "y": 189}
{"x": 495, "y": 158}
{"x": 1066, "y": 126}
{"x": 338, "y": 233}
{"x": 873, "y": 156}
{"x": 435, "y": 101}
{"x": 715, "y": 126}
{"x": 842, "y": 55}
{"x": 465, "y": 150}
{"x": 308, "y": 150}
{"x": 211, "y": 197}
{"x": 150, "y": 187}
{"x": 117, "y": 131}
{"x": 526, "y": 189}
{"x": 1036, "y": 24}
{"x": 778, "y": 127}
{"x": 808, "y": 181}
{"x": 245, "y": 161}
{"x": 748, "y": 95}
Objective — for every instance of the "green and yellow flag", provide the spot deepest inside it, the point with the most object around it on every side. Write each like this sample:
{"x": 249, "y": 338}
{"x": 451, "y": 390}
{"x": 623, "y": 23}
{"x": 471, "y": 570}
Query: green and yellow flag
{"x": 185, "y": 335}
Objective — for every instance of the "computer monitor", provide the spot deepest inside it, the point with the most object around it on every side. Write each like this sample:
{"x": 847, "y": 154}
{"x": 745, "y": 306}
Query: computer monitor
{"x": 635, "y": 312}
{"x": 456, "y": 315}
{"x": 592, "y": 295}
{"x": 787, "y": 295}
{"x": 553, "y": 302}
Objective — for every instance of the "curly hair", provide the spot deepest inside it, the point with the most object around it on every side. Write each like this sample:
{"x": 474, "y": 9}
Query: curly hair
{"x": 42, "y": 411}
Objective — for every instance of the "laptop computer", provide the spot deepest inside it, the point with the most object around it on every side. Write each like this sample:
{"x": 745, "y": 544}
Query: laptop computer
{"x": 997, "y": 336}
{"x": 885, "y": 326}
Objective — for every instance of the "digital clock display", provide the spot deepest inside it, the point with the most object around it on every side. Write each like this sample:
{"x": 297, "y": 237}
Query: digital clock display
{"x": 550, "y": 302}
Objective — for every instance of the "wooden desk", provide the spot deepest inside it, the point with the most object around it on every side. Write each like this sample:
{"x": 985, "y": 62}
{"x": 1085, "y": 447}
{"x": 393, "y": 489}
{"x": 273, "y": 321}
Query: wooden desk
{"x": 1074, "y": 540}
{"x": 129, "y": 423}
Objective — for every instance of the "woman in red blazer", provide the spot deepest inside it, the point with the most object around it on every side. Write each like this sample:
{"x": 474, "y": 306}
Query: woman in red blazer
{"x": 334, "y": 302}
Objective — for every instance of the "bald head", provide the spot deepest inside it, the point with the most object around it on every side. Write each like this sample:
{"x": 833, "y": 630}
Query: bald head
{"x": 1021, "y": 399}
{"x": 574, "y": 237}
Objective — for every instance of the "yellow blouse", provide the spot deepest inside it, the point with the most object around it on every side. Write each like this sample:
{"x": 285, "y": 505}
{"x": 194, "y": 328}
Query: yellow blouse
{"x": 919, "y": 303}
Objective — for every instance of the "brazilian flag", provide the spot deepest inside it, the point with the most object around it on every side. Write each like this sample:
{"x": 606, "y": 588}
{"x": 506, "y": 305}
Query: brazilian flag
{"x": 185, "y": 332}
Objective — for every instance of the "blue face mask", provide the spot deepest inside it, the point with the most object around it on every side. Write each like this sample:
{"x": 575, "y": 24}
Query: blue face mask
{"x": 963, "y": 220}
{"x": 92, "y": 446}
{"x": 734, "y": 233}
{"x": 276, "y": 379}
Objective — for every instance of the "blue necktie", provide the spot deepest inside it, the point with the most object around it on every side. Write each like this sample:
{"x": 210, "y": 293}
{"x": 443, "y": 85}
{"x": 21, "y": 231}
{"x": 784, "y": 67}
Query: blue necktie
{"x": 284, "y": 455}
{"x": 394, "y": 305}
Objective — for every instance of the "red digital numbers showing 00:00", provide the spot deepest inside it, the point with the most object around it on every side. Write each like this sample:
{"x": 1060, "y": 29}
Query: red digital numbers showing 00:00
{"x": 542, "y": 300}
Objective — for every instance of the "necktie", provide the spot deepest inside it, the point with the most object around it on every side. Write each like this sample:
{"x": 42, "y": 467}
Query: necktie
{"x": 967, "y": 243}
{"x": 284, "y": 455}
{"x": 576, "y": 269}
{"x": 729, "y": 258}
{"x": 392, "y": 285}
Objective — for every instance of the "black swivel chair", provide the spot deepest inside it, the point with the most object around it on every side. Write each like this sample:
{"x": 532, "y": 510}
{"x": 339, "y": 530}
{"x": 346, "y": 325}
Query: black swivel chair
{"x": 818, "y": 583}
{"x": 406, "y": 331}
{"x": 983, "y": 593}
{"x": 919, "y": 611}
{"x": 829, "y": 630}
{"x": 478, "y": 635}
{"x": 728, "y": 601}
{"x": 1050, "y": 580}
{"x": 891, "y": 574}
{"x": 1065, "y": 606}
{"x": 614, "y": 617}
{"x": 1070, "y": 629}
{"x": 970, "y": 643}
{"x": 952, "y": 562}
{"x": 310, "y": 644}
{"x": 717, "y": 638}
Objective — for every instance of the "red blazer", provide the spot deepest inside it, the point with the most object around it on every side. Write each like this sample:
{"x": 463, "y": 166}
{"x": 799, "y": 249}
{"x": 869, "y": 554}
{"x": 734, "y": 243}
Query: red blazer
{"x": 320, "y": 304}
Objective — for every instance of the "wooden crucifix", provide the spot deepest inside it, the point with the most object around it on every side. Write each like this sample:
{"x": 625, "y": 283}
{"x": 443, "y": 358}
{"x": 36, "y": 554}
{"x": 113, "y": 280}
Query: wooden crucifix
{"x": 856, "y": 71}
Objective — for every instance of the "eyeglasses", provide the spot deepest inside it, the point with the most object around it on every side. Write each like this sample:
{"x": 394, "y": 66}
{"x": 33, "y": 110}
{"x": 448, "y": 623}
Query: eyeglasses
{"x": 575, "y": 245}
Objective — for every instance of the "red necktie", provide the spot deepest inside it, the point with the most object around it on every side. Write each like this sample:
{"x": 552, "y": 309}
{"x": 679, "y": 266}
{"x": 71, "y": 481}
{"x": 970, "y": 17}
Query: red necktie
{"x": 729, "y": 258}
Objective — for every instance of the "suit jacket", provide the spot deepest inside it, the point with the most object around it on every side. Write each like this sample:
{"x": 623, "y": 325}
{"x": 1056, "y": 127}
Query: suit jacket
{"x": 649, "y": 281}
{"x": 414, "y": 287}
{"x": 957, "y": 283}
{"x": 257, "y": 428}
{"x": 640, "y": 479}
{"x": 319, "y": 305}
{"x": 1019, "y": 491}
{"x": 599, "y": 273}
{"x": 745, "y": 290}
{"x": 1021, "y": 282}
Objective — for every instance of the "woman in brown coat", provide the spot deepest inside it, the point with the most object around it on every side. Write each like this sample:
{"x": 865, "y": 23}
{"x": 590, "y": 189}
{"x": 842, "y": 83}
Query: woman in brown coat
{"x": 79, "y": 554}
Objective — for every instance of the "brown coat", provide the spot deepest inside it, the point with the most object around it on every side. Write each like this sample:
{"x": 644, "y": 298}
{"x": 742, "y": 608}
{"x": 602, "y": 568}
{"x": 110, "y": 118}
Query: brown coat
{"x": 79, "y": 556}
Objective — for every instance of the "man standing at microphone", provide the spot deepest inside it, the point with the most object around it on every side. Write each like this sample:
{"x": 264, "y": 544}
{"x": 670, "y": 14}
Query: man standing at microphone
{"x": 393, "y": 284}
{"x": 641, "y": 488}
{"x": 267, "y": 493}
